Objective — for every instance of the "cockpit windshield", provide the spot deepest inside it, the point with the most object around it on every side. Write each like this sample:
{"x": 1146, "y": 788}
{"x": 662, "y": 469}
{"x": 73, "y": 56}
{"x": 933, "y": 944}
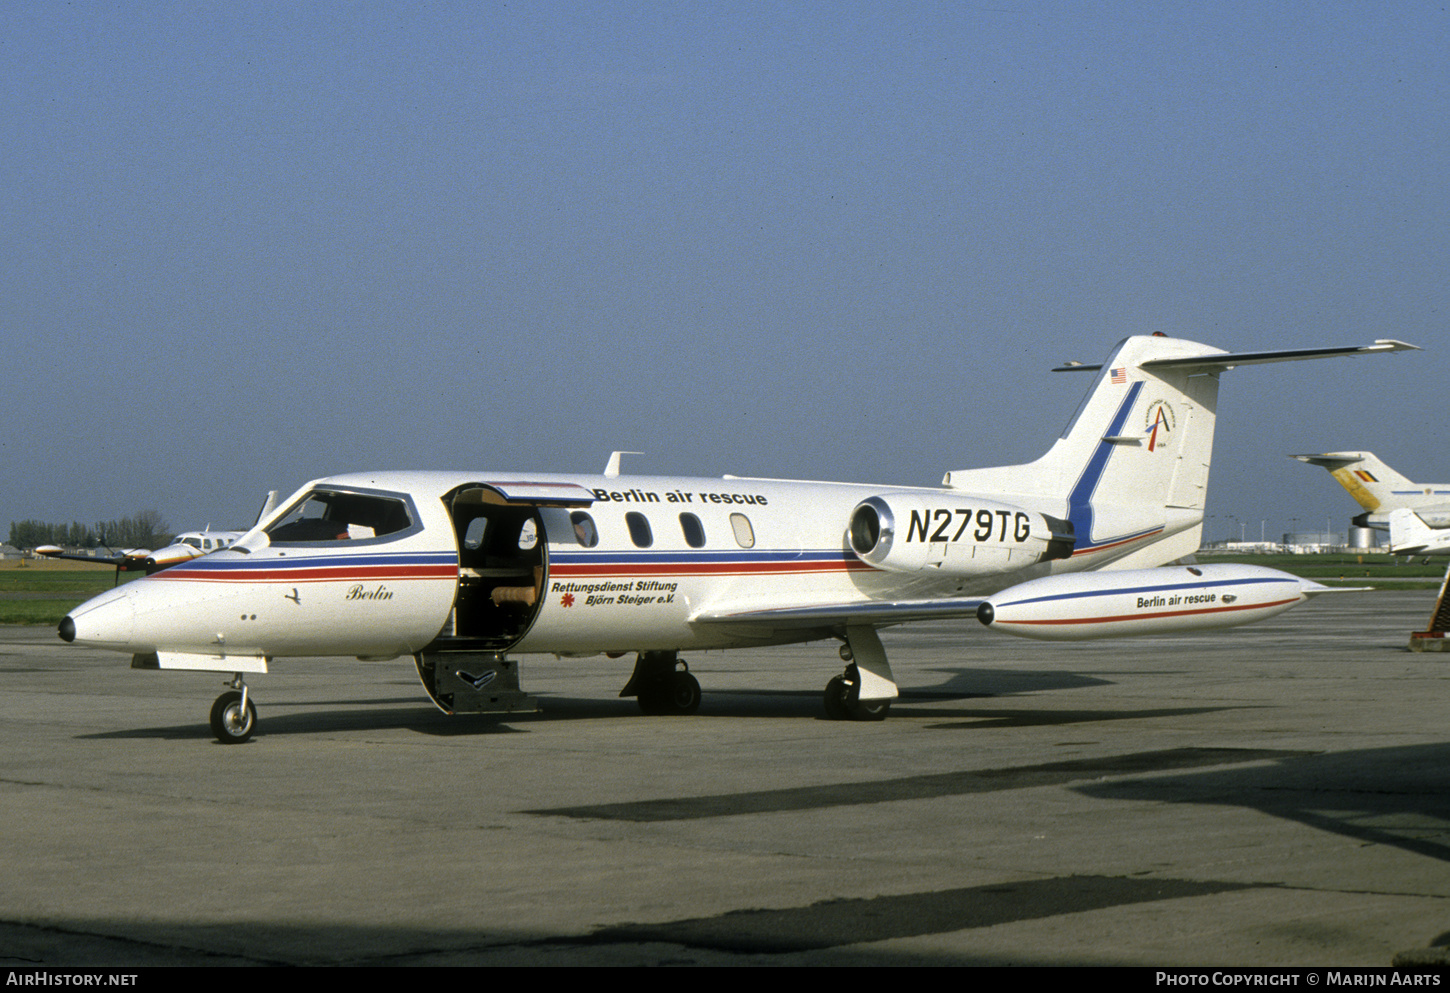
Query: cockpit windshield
{"x": 338, "y": 515}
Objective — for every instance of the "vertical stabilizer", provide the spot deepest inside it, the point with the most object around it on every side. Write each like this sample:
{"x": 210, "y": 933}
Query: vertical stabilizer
{"x": 1131, "y": 471}
{"x": 1132, "y": 467}
{"x": 1375, "y": 486}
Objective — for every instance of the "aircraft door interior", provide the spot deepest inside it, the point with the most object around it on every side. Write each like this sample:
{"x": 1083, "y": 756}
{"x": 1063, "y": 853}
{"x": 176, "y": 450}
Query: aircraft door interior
{"x": 501, "y": 566}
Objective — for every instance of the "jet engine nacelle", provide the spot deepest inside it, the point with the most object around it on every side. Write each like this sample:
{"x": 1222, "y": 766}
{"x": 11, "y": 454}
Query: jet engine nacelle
{"x": 953, "y": 535}
{"x": 1077, "y": 606}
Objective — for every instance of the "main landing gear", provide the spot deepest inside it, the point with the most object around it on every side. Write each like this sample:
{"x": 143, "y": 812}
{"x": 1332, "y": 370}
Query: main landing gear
{"x": 843, "y": 703}
{"x": 663, "y": 685}
{"x": 233, "y": 718}
{"x": 864, "y": 691}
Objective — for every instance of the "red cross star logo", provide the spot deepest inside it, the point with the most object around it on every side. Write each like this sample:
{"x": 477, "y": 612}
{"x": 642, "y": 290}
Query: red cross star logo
{"x": 568, "y": 600}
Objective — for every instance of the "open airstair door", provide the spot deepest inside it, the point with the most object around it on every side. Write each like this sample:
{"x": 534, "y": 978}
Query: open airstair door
{"x": 502, "y": 533}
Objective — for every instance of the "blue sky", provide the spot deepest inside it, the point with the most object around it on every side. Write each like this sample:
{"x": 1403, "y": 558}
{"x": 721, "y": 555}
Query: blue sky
{"x": 251, "y": 244}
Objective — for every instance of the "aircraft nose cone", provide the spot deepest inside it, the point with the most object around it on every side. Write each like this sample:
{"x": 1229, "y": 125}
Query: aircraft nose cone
{"x": 986, "y": 614}
{"x": 105, "y": 621}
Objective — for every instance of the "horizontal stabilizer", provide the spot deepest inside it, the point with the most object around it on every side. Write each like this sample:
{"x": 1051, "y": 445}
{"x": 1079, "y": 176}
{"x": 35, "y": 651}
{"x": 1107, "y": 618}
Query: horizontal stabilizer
{"x": 1228, "y": 360}
{"x": 1331, "y": 460}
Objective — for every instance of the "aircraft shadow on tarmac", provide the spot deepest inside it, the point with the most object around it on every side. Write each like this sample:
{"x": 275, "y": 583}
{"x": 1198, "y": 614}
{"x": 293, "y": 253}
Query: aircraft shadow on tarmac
{"x": 826, "y": 924}
{"x": 372, "y": 715}
{"x": 960, "y": 681}
{"x": 1383, "y": 796}
{"x": 830, "y": 926}
{"x": 281, "y": 718}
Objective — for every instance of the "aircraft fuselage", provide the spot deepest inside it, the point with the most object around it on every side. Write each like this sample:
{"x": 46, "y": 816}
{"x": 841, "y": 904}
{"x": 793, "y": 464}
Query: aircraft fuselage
{"x": 616, "y": 564}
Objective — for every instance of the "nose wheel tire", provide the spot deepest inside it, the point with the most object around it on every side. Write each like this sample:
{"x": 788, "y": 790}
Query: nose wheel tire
{"x": 231, "y": 722}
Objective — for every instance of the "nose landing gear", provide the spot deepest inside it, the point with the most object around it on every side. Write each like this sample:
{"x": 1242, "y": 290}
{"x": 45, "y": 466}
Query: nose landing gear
{"x": 233, "y": 717}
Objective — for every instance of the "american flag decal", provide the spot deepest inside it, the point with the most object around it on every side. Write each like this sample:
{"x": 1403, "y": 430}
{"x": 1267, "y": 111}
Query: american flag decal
{"x": 1120, "y": 375}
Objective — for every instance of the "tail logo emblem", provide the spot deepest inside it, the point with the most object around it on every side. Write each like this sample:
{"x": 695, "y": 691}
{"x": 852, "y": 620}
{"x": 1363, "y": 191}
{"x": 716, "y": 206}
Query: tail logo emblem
{"x": 1159, "y": 423}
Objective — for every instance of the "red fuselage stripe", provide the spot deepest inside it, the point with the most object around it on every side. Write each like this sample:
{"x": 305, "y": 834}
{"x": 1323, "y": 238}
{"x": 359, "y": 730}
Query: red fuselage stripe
{"x": 317, "y": 575}
{"x": 703, "y": 569}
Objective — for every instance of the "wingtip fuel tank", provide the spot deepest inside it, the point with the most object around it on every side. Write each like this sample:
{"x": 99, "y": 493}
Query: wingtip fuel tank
{"x": 1165, "y": 600}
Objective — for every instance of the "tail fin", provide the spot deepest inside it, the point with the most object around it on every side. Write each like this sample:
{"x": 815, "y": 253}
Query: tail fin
{"x": 1131, "y": 470}
{"x": 1133, "y": 463}
{"x": 1375, "y": 486}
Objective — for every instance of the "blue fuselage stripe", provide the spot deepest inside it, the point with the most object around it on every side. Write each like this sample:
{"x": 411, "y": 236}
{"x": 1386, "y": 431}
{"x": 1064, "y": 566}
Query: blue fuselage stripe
{"x": 1079, "y": 503}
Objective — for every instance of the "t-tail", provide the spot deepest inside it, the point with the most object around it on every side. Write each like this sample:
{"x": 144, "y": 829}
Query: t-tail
{"x": 1379, "y": 489}
{"x": 1131, "y": 470}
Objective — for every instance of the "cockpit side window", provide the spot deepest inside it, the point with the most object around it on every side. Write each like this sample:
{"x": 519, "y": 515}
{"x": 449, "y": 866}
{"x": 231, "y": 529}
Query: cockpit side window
{"x": 326, "y": 515}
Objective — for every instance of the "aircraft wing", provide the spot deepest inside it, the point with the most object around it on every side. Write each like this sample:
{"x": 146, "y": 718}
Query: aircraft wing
{"x": 1228, "y": 360}
{"x": 873, "y": 612}
{"x": 128, "y": 561}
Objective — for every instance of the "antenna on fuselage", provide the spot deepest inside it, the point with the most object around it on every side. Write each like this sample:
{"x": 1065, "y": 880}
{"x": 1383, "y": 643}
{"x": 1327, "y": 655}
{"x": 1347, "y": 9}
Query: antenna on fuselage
{"x": 612, "y": 469}
{"x": 268, "y": 505}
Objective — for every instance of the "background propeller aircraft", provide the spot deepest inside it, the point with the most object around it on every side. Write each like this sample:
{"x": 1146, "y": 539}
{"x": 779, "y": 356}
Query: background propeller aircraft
{"x": 461, "y": 570}
{"x": 183, "y": 548}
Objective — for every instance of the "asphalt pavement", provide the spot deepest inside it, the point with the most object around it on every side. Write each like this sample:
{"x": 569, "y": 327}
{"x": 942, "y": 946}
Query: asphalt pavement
{"x": 1272, "y": 795}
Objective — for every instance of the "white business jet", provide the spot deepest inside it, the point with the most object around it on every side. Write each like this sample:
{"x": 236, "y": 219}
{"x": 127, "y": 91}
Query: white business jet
{"x": 462, "y": 570}
{"x": 1417, "y": 515}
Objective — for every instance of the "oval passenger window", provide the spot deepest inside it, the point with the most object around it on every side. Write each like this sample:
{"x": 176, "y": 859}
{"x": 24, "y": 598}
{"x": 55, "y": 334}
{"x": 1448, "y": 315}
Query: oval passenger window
{"x": 639, "y": 531}
{"x": 584, "y": 530}
{"x": 693, "y": 529}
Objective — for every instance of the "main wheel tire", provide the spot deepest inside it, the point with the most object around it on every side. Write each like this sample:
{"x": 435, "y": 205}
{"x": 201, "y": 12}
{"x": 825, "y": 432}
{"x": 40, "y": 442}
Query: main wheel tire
{"x": 837, "y": 699}
{"x": 677, "y": 694}
{"x": 842, "y": 705}
{"x": 651, "y": 699}
{"x": 683, "y": 694}
{"x": 870, "y": 710}
{"x": 231, "y": 724}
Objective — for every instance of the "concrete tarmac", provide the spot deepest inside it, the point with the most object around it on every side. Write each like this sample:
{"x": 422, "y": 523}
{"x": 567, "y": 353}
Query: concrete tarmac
{"x": 1272, "y": 795}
